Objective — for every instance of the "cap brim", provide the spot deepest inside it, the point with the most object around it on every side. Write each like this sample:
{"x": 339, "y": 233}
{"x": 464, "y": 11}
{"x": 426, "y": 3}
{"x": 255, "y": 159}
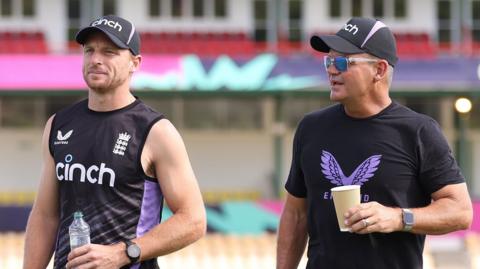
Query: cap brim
{"x": 327, "y": 42}
{"x": 83, "y": 34}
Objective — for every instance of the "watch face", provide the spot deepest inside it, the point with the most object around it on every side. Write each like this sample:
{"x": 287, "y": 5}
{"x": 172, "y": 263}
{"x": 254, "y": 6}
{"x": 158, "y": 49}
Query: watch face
{"x": 408, "y": 218}
{"x": 133, "y": 251}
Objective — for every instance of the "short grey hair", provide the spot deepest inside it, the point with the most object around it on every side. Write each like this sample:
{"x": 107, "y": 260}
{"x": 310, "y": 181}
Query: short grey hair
{"x": 389, "y": 75}
{"x": 390, "y": 69}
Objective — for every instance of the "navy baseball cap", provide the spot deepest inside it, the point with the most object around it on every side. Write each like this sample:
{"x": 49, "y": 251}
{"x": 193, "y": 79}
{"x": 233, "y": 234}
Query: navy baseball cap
{"x": 120, "y": 31}
{"x": 360, "y": 35}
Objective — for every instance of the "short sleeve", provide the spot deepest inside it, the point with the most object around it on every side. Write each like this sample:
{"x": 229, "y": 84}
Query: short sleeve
{"x": 295, "y": 184}
{"x": 438, "y": 167}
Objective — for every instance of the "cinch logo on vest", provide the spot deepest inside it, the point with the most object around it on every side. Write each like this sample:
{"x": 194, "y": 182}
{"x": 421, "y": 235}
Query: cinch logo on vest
{"x": 112, "y": 24}
{"x": 69, "y": 171}
{"x": 350, "y": 28}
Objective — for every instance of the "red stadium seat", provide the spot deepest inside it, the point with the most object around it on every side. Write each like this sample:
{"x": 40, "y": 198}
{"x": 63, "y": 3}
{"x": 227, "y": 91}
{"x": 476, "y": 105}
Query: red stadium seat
{"x": 476, "y": 48}
{"x": 22, "y": 42}
{"x": 414, "y": 45}
{"x": 201, "y": 43}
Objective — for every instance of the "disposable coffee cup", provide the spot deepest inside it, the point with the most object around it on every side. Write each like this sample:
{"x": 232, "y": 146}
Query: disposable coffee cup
{"x": 344, "y": 198}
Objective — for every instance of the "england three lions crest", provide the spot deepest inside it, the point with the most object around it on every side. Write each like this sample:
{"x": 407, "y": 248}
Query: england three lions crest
{"x": 121, "y": 143}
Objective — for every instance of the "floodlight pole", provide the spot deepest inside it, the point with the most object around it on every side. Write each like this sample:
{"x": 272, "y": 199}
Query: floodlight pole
{"x": 463, "y": 106}
{"x": 463, "y": 148}
{"x": 278, "y": 140}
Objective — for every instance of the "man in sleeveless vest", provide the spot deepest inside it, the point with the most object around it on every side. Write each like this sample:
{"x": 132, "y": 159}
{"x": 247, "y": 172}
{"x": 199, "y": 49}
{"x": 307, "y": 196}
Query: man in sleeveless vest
{"x": 410, "y": 183}
{"x": 116, "y": 160}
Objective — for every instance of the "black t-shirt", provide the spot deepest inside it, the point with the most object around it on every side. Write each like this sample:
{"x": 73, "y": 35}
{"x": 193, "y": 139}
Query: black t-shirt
{"x": 398, "y": 156}
{"x": 98, "y": 168}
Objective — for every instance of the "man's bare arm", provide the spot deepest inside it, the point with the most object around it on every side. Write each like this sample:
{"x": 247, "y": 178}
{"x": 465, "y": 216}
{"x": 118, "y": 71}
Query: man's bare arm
{"x": 292, "y": 233}
{"x": 43, "y": 220}
{"x": 450, "y": 210}
{"x": 182, "y": 194}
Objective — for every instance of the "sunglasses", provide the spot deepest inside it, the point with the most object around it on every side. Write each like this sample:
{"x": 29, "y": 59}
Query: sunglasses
{"x": 341, "y": 63}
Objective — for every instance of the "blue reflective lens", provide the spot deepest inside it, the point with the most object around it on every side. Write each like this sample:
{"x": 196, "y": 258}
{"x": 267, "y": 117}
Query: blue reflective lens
{"x": 340, "y": 63}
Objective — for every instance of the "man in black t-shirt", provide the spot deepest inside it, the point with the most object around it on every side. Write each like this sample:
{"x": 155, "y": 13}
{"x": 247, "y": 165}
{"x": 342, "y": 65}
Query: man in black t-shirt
{"x": 410, "y": 183}
{"x": 116, "y": 160}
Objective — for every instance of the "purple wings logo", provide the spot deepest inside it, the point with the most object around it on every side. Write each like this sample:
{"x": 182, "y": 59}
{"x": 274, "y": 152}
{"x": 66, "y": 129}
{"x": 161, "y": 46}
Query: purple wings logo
{"x": 332, "y": 171}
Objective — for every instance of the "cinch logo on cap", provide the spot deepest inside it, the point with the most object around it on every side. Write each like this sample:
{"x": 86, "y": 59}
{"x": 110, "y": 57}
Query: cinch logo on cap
{"x": 360, "y": 35}
{"x": 350, "y": 28}
{"x": 112, "y": 24}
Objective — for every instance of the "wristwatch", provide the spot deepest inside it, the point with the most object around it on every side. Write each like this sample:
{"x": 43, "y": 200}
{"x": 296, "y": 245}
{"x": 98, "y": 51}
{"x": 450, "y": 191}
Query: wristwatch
{"x": 132, "y": 251}
{"x": 408, "y": 219}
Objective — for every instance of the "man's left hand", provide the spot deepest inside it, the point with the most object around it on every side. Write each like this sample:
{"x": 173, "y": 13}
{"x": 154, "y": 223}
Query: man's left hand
{"x": 374, "y": 217}
{"x": 97, "y": 256}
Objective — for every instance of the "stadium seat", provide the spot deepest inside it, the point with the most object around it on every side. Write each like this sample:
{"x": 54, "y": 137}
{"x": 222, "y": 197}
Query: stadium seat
{"x": 201, "y": 43}
{"x": 472, "y": 242}
{"x": 415, "y": 45}
{"x": 23, "y": 42}
{"x": 219, "y": 251}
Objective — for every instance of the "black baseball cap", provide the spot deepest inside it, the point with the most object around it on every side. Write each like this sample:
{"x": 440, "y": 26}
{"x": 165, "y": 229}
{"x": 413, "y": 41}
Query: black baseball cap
{"x": 360, "y": 35}
{"x": 120, "y": 31}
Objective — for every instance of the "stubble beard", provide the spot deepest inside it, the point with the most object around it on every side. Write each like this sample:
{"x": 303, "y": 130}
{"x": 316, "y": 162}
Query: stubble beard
{"x": 334, "y": 96}
{"x": 104, "y": 87}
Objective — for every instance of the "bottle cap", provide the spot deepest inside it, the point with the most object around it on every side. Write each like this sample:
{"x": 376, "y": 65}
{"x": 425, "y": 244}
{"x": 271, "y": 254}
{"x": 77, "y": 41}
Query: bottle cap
{"x": 78, "y": 215}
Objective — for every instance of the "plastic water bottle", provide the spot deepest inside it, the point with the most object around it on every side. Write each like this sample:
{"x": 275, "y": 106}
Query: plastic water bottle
{"x": 79, "y": 231}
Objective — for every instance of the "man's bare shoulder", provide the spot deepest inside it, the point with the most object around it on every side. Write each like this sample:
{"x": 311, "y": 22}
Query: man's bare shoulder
{"x": 163, "y": 140}
{"x": 162, "y": 129}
